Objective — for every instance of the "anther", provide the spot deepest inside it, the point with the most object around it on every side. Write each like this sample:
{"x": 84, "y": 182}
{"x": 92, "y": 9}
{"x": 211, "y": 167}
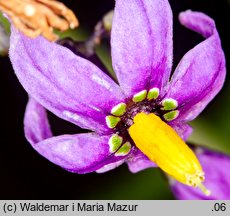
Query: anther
{"x": 153, "y": 94}
{"x": 112, "y": 121}
{"x": 115, "y": 142}
{"x": 119, "y": 109}
{"x": 169, "y": 104}
{"x": 169, "y": 116}
{"x": 140, "y": 96}
{"x": 124, "y": 149}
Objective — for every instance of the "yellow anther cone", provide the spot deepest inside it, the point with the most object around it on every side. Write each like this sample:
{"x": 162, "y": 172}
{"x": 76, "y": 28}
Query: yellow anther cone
{"x": 162, "y": 145}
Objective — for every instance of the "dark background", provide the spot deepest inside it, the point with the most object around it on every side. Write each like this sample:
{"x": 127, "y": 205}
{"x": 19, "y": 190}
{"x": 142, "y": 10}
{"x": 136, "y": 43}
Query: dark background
{"x": 24, "y": 174}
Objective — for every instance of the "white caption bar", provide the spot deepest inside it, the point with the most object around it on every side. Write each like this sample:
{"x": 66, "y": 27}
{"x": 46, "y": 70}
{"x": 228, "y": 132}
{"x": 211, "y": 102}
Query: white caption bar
{"x": 114, "y": 207}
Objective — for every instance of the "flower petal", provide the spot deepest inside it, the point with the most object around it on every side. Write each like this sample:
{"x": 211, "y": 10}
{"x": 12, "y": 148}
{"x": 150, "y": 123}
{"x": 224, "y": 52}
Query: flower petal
{"x": 69, "y": 86}
{"x": 80, "y": 153}
{"x": 36, "y": 124}
{"x": 110, "y": 166}
{"x": 201, "y": 72}
{"x": 141, "y": 43}
{"x": 184, "y": 130}
{"x": 77, "y": 153}
{"x": 216, "y": 167}
{"x": 138, "y": 161}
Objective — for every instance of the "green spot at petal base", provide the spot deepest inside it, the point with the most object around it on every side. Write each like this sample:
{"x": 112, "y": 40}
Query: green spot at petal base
{"x": 112, "y": 121}
{"x": 169, "y": 104}
{"x": 124, "y": 150}
{"x": 119, "y": 109}
{"x": 171, "y": 115}
{"x": 153, "y": 93}
{"x": 140, "y": 96}
{"x": 115, "y": 142}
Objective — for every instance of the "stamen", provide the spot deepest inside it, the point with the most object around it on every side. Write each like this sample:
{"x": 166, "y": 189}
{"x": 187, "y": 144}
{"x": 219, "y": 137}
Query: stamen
{"x": 161, "y": 144}
{"x": 140, "y": 96}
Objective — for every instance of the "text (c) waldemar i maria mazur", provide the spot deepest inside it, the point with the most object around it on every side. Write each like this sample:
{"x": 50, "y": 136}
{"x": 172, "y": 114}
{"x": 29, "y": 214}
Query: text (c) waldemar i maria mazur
{"x": 105, "y": 207}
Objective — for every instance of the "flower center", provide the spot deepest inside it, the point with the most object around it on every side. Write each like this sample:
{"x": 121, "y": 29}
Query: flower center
{"x": 147, "y": 102}
{"x": 122, "y": 115}
{"x": 142, "y": 122}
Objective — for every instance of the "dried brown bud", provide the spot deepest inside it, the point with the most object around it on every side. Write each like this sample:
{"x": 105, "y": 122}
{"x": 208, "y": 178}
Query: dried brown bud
{"x": 39, "y": 17}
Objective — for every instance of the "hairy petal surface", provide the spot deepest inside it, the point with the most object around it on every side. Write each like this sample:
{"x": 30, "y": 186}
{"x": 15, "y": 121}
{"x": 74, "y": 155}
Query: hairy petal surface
{"x": 216, "y": 167}
{"x": 69, "y": 86}
{"x": 141, "y": 44}
{"x": 201, "y": 72}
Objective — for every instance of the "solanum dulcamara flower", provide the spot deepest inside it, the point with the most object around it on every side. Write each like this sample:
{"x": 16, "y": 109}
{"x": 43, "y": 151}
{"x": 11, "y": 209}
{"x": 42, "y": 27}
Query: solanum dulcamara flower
{"x": 143, "y": 120}
{"x": 216, "y": 167}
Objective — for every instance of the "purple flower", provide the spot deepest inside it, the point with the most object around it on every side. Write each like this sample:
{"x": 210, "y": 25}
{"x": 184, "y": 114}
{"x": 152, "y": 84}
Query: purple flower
{"x": 216, "y": 166}
{"x": 128, "y": 121}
